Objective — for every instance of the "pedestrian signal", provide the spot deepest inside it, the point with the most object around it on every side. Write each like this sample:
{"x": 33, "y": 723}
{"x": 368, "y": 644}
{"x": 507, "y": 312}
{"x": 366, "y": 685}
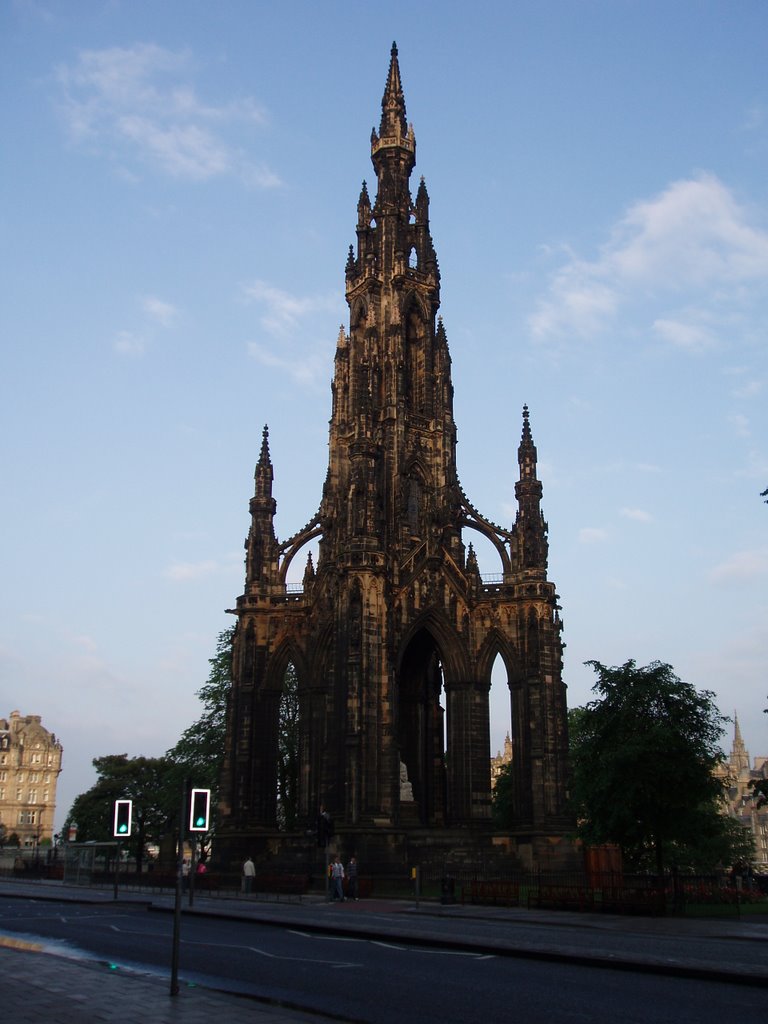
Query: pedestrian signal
{"x": 123, "y": 818}
{"x": 200, "y": 810}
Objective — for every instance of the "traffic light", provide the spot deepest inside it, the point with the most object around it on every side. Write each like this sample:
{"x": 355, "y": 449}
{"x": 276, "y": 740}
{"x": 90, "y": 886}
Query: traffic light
{"x": 123, "y": 818}
{"x": 200, "y": 810}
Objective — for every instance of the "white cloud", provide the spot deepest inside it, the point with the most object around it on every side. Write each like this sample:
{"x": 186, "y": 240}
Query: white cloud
{"x": 750, "y": 389}
{"x": 284, "y": 312}
{"x": 692, "y": 240}
{"x": 288, "y": 319}
{"x": 684, "y": 335}
{"x": 741, "y": 567}
{"x": 127, "y": 343}
{"x": 304, "y": 370}
{"x": 592, "y": 535}
{"x": 132, "y": 104}
{"x": 161, "y": 312}
{"x": 639, "y": 515}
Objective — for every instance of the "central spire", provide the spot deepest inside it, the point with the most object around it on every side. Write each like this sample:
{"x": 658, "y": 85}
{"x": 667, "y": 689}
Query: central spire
{"x": 393, "y": 101}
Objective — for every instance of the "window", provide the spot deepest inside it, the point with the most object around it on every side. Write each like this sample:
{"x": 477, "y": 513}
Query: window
{"x": 32, "y": 796}
{"x": 3, "y": 776}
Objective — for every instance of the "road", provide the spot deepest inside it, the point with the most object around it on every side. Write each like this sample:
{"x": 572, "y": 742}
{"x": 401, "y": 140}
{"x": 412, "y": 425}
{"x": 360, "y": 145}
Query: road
{"x": 375, "y": 981}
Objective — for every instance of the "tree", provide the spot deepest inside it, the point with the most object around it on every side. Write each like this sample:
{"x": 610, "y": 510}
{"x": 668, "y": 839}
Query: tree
{"x": 643, "y": 759}
{"x": 145, "y": 781}
{"x": 199, "y": 752}
{"x": 502, "y": 800}
{"x": 288, "y": 751}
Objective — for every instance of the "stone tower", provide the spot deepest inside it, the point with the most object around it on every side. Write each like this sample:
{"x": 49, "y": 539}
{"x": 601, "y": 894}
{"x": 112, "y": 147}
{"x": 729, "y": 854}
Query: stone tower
{"x": 395, "y": 633}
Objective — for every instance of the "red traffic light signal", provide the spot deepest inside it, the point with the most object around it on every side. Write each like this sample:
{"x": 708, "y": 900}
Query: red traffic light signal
{"x": 123, "y": 819}
{"x": 200, "y": 810}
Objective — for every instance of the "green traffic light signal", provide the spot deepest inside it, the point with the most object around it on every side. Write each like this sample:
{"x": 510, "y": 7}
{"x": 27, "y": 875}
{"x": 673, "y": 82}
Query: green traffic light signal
{"x": 122, "y": 818}
{"x": 200, "y": 810}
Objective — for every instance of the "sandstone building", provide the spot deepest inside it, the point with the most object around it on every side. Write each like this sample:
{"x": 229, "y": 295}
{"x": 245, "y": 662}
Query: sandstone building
{"x": 30, "y": 762}
{"x": 740, "y": 801}
{"x": 394, "y": 633}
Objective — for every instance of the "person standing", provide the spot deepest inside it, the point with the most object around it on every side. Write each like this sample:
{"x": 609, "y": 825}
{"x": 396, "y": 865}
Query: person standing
{"x": 352, "y": 878}
{"x": 249, "y": 873}
{"x": 337, "y": 879}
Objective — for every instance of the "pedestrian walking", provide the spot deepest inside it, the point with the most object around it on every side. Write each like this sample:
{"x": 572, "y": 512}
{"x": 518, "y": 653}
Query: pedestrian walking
{"x": 337, "y": 879}
{"x": 352, "y": 878}
{"x": 249, "y": 873}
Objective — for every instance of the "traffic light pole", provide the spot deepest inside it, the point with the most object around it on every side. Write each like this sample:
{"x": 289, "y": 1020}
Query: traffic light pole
{"x": 177, "y": 904}
{"x": 117, "y": 868}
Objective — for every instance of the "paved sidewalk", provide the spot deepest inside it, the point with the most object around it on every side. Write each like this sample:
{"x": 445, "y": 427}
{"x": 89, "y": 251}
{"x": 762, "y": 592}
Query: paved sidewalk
{"x": 39, "y": 987}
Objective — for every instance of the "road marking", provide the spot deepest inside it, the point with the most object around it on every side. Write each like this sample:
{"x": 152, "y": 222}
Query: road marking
{"x": 267, "y": 954}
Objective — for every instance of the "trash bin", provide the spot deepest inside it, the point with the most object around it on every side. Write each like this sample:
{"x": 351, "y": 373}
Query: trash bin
{"x": 447, "y": 890}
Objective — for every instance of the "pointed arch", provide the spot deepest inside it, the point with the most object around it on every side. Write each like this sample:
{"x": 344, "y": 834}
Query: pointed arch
{"x": 497, "y": 644}
{"x": 452, "y": 649}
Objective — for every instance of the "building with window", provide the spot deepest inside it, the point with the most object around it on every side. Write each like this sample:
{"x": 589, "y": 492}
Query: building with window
{"x": 740, "y": 799}
{"x": 30, "y": 762}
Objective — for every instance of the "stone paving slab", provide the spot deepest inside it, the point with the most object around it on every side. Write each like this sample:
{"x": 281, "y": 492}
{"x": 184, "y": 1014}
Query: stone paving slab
{"x": 39, "y": 987}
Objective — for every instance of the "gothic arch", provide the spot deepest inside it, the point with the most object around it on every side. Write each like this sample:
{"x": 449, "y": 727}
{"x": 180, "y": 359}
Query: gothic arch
{"x": 497, "y": 644}
{"x": 358, "y": 314}
{"x": 486, "y": 531}
{"x": 296, "y": 543}
{"x": 452, "y": 649}
{"x": 287, "y": 652}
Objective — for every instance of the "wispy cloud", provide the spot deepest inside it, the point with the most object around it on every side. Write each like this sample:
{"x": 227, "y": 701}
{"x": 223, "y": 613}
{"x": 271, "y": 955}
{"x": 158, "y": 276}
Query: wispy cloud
{"x": 283, "y": 312}
{"x": 127, "y": 343}
{"x": 693, "y": 242}
{"x": 288, "y": 319}
{"x": 592, "y": 535}
{"x": 136, "y": 104}
{"x": 158, "y": 314}
{"x": 741, "y": 567}
{"x": 639, "y": 515}
{"x": 163, "y": 313}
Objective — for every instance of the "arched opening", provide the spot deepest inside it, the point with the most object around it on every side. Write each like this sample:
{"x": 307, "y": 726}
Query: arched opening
{"x": 415, "y": 345}
{"x": 500, "y": 714}
{"x": 422, "y": 731}
{"x": 288, "y": 751}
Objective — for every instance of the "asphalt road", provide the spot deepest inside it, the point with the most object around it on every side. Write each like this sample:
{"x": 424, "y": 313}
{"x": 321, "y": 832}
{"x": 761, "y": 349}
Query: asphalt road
{"x": 376, "y": 980}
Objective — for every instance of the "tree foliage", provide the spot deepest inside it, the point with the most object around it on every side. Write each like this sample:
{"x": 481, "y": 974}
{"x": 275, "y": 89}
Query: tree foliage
{"x": 502, "y": 805}
{"x": 155, "y": 784}
{"x": 288, "y": 752}
{"x": 199, "y": 752}
{"x": 145, "y": 781}
{"x": 643, "y": 759}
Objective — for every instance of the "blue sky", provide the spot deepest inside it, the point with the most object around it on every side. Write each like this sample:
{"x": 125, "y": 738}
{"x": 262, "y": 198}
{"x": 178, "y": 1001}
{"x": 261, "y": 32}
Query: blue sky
{"x": 180, "y": 191}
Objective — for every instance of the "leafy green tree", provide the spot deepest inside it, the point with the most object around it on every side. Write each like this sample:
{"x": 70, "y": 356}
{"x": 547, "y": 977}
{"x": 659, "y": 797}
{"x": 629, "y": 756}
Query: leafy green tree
{"x": 643, "y": 757}
{"x": 199, "y": 752}
{"x": 502, "y": 800}
{"x": 145, "y": 781}
{"x": 288, "y": 751}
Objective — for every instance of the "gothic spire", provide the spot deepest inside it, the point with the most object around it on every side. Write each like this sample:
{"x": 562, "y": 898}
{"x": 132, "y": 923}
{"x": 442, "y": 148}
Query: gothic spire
{"x": 393, "y": 101}
{"x": 530, "y": 525}
{"x": 264, "y": 474}
{"x": 739, "y": 753}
